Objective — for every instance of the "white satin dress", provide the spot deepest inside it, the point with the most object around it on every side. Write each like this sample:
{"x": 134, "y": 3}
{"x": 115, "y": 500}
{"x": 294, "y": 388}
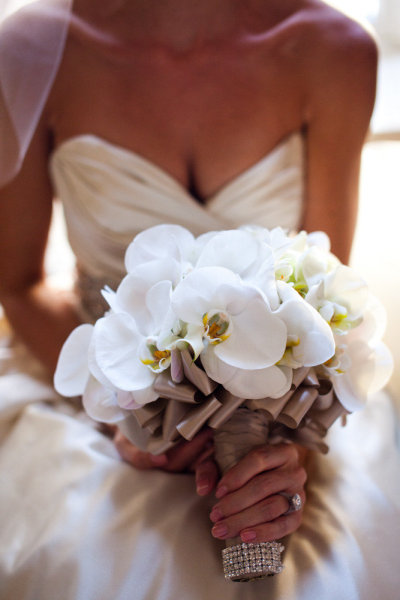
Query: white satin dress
{"x": 79, "y": 524}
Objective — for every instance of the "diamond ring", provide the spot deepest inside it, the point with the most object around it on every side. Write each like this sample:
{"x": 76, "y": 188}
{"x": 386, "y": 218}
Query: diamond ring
{"x": 295, "y": 502}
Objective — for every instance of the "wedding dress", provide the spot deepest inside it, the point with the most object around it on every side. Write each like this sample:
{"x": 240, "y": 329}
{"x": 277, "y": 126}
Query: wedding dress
{"x": 79, "y": 524}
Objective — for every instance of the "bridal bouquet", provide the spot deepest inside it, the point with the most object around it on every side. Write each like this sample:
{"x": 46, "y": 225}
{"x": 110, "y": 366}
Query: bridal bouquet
{"x": 259, "y": 335}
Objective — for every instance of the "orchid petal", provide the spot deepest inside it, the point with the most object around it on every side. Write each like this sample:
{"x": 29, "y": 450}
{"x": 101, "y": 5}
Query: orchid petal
{"x": 145, "y": 396}
{"x": 110, "y": 297}
{"x": 258, "y": 338}
{"x": 200, "y": 291}
{"x": 319, "y": 239}
{"x": 100, "y": 403}
{"x": 344, "y": 286}
{"x": 158, "y": 304}
{"x": 222, "y": 250}
{"x": 271, "y": 382}
{"x": 316, "y": 343}
{"x": 161, "y": 241}
{"x": 117, "y": 342}
{"x": 134, "y": 296}
{"x": 72, "y": 372}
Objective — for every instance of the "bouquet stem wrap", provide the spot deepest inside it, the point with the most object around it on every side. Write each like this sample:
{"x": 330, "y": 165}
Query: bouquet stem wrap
{"x": 245, "y": 430}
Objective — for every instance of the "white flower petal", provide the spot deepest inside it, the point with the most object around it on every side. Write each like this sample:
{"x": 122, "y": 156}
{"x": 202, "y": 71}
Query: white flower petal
{"x": 343, "y": 286}
{"x": 110, "y": 297}
{"x": 135, "y": 297}
{"x": 235, "y": 250}
{"x": 369, "y": 371}
{"x": 95, "y": 369}
{"x": 161, "y": 241}
{"x": 100, "y": 403}
{"x": 258, "y": 338}
{"x": 319, "y": 239}
{"x": 215, "y": 368}
{"x": 72, "y": 372}
{"x": 117, "y": 342}
{"x": 314, "y": 264}
{"x": 158, "y": 300}
{"x": 271, "y": 382}
{"x": 142, "y": 397}
{"x": 200, "y": 291}
{"x": 194, "y": 337}
{"x": 316, "y": 342}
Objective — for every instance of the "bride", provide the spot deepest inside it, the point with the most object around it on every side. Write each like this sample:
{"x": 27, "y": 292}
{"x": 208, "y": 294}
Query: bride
{"x": 209, "y": 115}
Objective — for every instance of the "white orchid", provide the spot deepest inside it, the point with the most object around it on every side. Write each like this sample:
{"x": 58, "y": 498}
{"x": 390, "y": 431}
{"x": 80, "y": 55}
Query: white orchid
{"x": 254, "y": 263}
{"x": 310, "y": 340}
{"x": 239, "y": 330}
{"x": 358, "y": 370}
{"x": 340, "y": 297}
{"x": 306, "y": 261}
{"x": 74, "y": 377}
{"x": 171, "y": 242}
{"x": 362, "y": 364}
{"x": 122, "y": 357}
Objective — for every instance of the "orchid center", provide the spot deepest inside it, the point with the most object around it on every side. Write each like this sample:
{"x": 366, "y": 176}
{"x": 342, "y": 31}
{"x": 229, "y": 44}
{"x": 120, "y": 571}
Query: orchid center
{"x": 216, "y": 326}
{"x": 159, "y": 360}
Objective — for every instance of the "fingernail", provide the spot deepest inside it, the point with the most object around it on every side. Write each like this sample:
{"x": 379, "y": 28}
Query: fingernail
{"x": 216, "y": 515}
{"x": 219, "y": 530}
{"x": 159, "y": 461}
{"x": 247, "y": 536}
{"x": 202, "y": 487}
{"x": 221, "y": 491}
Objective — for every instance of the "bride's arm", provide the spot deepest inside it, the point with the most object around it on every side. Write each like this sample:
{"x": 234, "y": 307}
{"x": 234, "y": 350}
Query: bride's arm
{"x": 41, "y": 316}
{"x": 338, "y": 109}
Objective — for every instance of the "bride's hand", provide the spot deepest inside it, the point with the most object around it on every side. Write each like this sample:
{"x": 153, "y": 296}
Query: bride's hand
{"x": 194, "y": 456}
{"x": 250, "y": 502}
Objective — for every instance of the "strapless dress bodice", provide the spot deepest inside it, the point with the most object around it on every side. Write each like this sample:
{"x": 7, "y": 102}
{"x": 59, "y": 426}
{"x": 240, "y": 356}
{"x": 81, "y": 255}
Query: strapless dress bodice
{"x": 110, "y": 194}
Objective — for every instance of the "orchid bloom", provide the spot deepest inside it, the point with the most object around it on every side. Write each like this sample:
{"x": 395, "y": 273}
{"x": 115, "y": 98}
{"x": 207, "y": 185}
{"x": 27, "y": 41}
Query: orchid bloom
{"x": 171, "y": 242}
{"x": 74, "y": 377}
{"x": 246, "y": 254}
{"x": 362, "y": 364}
{"x": 310, "y": 341}
{"x": 241, "y": 335}
{"x": 340, "y": 297}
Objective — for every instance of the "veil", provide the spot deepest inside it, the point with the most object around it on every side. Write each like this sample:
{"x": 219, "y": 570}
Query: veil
{"x": 32, "y": 40}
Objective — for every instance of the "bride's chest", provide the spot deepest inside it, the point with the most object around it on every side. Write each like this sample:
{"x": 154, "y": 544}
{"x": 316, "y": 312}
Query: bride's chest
{"x": 202, "y": 121}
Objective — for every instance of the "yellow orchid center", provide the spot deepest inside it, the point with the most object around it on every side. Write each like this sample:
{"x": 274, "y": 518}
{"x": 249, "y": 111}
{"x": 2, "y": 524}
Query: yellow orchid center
{"x": 338, "y": 317}
{"x": 216, "y": 326}
{"x": 160, "y": 358}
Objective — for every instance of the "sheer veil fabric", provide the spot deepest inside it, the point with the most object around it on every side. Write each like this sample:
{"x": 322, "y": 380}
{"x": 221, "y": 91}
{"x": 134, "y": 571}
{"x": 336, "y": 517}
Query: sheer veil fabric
{"x": 30, "y": 54}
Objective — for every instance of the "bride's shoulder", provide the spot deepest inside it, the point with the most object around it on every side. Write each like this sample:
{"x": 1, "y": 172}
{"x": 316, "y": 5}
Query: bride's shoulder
{"x": 337, "y": 56}
{"x": 332, "y": 40}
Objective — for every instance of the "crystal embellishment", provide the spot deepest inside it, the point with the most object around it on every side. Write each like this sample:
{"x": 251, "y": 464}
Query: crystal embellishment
{"x": 245, "y": 562}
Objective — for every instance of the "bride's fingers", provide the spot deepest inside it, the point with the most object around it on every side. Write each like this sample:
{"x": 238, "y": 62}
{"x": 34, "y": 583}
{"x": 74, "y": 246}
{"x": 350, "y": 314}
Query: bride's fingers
{"x": 263, "y": 518}
{"x": 274, "y": 530}
{"x": 135, "y": 457}
{"x": 178, "y": 459}
{"x": 257, "y": 489}
{"x": 262, "y": 458}
{"x": 206, "y": 476}
{"x": 185, "y": 454}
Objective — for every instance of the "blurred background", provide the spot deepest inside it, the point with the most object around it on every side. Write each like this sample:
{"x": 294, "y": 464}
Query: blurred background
{"x": 376, "y": 249}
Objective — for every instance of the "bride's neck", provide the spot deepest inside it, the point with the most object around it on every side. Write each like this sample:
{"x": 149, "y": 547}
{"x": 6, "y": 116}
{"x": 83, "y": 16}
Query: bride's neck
{"x": 182, "y": 25}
